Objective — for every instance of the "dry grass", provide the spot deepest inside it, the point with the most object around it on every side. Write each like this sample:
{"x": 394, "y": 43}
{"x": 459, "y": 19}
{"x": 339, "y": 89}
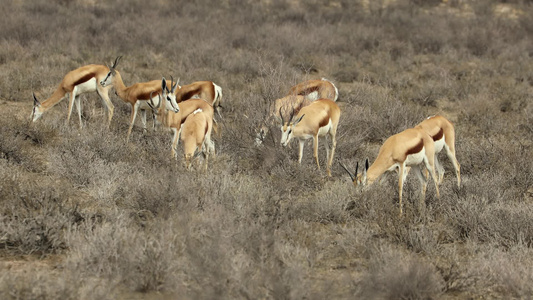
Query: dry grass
{"x": 86, "y": 216}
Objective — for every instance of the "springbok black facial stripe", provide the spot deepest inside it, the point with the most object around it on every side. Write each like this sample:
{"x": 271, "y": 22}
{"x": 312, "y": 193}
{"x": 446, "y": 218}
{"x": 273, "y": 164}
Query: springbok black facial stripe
{"x": 107, "y": 76}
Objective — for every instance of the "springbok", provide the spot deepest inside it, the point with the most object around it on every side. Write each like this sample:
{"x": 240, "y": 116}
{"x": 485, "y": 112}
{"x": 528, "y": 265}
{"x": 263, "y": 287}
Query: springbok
{"x": 196, "y": 135}
{"x": 298, "y": 96}
{"x": 316, "y": 89}
{"x": 291, "y": 104}
{"x": 318, "y": 119}
{"x": 413, "y": 148}
{"x": 138, "y": 94}
{"x": 79, "y": 81}
{"x": 443, "y": 134}
{"x": 174, "y": 121}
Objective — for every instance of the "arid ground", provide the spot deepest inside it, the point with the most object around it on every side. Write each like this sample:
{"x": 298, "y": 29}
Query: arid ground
{"x": 85, "y": 215}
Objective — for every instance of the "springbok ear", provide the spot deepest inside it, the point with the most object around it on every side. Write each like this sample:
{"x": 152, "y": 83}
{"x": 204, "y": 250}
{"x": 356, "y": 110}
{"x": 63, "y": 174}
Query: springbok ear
{"x": 35, "y": 101}
{"x": 365, "y": 169}
{"x": 163, "y": 84}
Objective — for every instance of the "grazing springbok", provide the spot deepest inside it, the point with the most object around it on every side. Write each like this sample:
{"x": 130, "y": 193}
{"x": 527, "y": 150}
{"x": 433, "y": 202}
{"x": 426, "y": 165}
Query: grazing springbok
{"x": 291, "y": 104}
{"x": 79, "y": 81}
{"x": 206, "y": 90}
{"x": 316, "y": 89}
{"x": 318, "y": 119}
{"x": 138, "y": 94}
{"x": 196, "y": 136}
{"x": 174, "y": 121}
{"x": 413, "y": 148}
{"x": 443, "y": 134}
{"x": 298, "y": 96}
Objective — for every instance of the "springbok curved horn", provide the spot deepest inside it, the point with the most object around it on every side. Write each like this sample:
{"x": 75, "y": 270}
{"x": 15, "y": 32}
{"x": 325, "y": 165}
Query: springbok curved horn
{"x": 35, "y": 101}
{"x": 174, "y": 86}
{"x": 292, "y": 115}
{"x": 160, "y": 100}
{"x": 151, "y": 102}
{"x": 352, "y": 176}
{"x": 116, "y": 62}
{"x": 171, "y": 82}
{"x": 281, "y": 116}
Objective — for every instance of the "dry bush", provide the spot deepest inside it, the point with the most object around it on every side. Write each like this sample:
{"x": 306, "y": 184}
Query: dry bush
{"x": 28, "y": 283}
{"x": 35, "y": 213}
{"x": 499, "y": 272}
{"x": 393, "y": 275}
{"x": 22, "y": 144}
{"x": 486, "y": 219}
{"x": 380, "y": 114}
{"x": 123, "y": 253}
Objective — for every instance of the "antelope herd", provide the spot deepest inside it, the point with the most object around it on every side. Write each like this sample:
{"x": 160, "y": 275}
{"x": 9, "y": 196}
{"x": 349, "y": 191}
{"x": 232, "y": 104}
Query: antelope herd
{"x": 308, "y": 111}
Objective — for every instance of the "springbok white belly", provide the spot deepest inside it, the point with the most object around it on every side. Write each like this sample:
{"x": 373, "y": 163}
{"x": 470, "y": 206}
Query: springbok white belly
{"x": 88, "y": 86}
{"x": 324, "y": 130}
{"x": 415, "y": 158}
{"x": 439, "y": 144}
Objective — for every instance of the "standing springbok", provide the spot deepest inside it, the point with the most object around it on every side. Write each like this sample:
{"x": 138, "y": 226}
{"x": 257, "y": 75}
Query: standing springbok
{"x": 174, "y": 120}
{"x": 316, "y": 89}
{"x": 138, "y": 94}
{"x": 413, "y": 148}
{"x": 79, "y": 81}
{"x": 318, "y": 119}
{"x": 443, "y": 134}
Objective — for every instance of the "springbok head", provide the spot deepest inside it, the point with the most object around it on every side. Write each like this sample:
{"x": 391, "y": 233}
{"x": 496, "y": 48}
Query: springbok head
{"x": 36, "y": 113}
{"x": 358, "y": 179}
{"x": 287, "y": 127}
{"x": 108, "y": 80}
{"x": 170, "y": 95}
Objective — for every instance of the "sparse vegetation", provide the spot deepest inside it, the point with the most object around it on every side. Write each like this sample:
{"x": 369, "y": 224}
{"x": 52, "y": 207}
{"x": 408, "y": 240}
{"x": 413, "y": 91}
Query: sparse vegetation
{"x": 85, "y": 215}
